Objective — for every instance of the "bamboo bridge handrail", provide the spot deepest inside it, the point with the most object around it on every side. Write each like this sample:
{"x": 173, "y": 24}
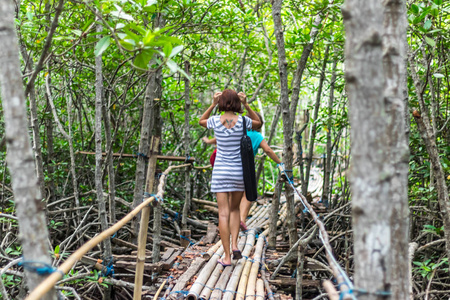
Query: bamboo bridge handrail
{"x": 51, "y": 280}
{"x": 344, "y": 282}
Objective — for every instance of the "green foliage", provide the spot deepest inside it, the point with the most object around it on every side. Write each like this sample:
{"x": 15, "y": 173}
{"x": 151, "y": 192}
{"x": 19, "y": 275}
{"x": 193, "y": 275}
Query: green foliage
{"x": 427, "y": 267}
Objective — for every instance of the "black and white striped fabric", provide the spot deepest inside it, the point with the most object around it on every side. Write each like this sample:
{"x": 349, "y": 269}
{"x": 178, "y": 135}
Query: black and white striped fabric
{"x": 227, "y": 173}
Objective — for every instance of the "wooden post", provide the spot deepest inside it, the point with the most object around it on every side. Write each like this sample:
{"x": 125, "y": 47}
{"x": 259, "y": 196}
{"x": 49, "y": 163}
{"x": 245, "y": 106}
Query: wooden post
{"x": 142, "y": 238}
{"x": 185, "y": 238}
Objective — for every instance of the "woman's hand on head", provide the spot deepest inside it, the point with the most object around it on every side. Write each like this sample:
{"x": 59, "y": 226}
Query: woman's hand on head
{"x": 216, "y": 98}
{"x": 242, "y": 97}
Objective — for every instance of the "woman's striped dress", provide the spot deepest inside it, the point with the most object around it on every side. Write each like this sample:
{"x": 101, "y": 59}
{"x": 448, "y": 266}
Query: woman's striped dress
{"x": 227, "y": 173}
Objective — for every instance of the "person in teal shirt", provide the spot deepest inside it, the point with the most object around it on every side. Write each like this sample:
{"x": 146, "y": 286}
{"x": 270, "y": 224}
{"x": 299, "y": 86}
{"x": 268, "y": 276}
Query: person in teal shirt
{"x": 257, "y": 142}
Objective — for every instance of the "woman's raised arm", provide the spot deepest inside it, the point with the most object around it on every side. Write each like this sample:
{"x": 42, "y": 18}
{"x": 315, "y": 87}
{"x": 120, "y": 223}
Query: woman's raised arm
{"x": 204, "y": 118}
{"x": 256, "y": 122}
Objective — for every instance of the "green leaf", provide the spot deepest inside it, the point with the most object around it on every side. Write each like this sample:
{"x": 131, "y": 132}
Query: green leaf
{"x": 167, "y": 49}
{"x": 142, "y": 60}
{"x": 102, "y": 45}
{"x": 427, "y": 24}
{"x": 415, "y": 9}
{"x": 57, "y": 249}
{"x": 438, "y": 2}
{"x": 438, "y": 75}
{"x": 119, "y": 13}
{"x": 176, "y": 50}
{"x": 77, "y": 32}
{"x": 430, "y": 41}
{"x": 148, "y": 38}
{"x": 172, "y": 66}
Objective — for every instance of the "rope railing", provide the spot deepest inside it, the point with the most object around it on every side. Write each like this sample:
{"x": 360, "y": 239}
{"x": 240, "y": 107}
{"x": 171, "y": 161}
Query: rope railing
{"x": 345, "y": 285}
{"x": 65, "y": 267}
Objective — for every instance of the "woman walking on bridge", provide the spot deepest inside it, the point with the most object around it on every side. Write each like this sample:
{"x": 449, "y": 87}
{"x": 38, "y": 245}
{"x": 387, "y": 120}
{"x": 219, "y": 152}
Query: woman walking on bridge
{"x": 227, "y": 177}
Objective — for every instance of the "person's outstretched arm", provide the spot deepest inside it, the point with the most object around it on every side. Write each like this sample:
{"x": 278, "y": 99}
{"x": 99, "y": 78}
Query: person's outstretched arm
{"x": 204, "y": 118}
{"x": 212, "y": 141}
{"x": 269, "y": 151}
{"x": 256, "y": 122}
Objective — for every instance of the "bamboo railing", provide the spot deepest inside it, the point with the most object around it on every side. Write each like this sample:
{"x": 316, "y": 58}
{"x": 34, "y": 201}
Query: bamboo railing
{"x": 65, "y": 267}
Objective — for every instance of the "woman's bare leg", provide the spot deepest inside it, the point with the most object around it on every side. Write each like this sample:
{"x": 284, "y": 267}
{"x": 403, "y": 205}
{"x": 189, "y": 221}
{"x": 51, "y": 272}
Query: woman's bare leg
{"x": 235, "y": 218}
{"x": 224, "y": 224}
{"x": 244, "y": 208}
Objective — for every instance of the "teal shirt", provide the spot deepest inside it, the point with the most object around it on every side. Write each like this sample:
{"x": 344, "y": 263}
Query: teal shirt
{"x": 256, "y": 138}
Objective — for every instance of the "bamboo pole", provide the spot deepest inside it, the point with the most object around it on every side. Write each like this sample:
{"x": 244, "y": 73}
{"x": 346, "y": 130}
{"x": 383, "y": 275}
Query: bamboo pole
{"x": 263, "y": 273}
{"x": 235, "y": 277}
{"x": 212, "y": 250}
{"x": 209, "y": 286}
{"x": 145, "y": 216}
{"x": 251, "y": 285}
{"x": 259, "y": 289}
{"x": 159, "y": 290}
{"x": 221, "y": 283}
{"x": 240, "y": 295}
{"x": 205, "y": 273}
{"x": 65, "y": 267}
{"x": 215, "y": 283}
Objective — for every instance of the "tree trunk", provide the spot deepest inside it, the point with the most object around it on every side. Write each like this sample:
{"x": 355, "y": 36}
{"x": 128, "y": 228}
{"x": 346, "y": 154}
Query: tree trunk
{"x": 32, "y": 224}
{"x": 35, "y": 126}
{"x": 370, "y": 135}
{"x": 187, "y": 177}
{"x": 144, "y": 146}
{"x": 327, "y": 165}
{"x": 273, "y": 128}
{"x": 394, "y": 54}
{"x": 287, "y": 125}
{"x": 429, "y": 138}
{"x": 314, "y": 123}
{"x": 102, "y": 213}
{"x": 110, "y": 163}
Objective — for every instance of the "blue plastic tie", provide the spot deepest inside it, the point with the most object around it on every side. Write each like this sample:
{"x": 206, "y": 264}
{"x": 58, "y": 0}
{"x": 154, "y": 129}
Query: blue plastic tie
{"x": 190, "y": 242}
{"x": 176, "y": 217}
{"x": 40, "y": 268}
{"x": 185, "y": 293}
{"x": 114, "y": 235}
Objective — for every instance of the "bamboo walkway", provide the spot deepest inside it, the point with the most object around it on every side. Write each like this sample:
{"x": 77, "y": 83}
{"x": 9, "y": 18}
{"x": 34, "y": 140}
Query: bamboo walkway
{"x": 244, "y": 279}
{"x": 193, "y": 272}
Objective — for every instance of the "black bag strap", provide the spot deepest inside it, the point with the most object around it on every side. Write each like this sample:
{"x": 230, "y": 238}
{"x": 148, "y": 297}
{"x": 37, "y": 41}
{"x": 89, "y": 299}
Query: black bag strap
{"x": 245, "y": 126}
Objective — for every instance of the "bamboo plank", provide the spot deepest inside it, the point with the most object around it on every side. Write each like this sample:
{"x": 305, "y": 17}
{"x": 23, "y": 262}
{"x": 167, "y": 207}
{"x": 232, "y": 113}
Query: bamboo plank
{"x": 204, "y": 274}
{"x": 251, "y": 285}
{"x": 259, "y": 289}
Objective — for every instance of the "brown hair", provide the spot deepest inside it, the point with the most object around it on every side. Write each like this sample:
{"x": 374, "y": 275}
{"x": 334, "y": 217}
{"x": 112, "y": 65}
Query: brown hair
{"x": 260, "y": 119}
{"x": 229, "y": 101}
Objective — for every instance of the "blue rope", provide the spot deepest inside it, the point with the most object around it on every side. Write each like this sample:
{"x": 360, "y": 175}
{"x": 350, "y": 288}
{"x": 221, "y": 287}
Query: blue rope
{"x": 187, "y": 158}
{"x": 137, "y": 154}
{"x": 185, "y": 293}
{"x": 114, "y": 235}
{"x": 40, "y": 268}
{"x": 176, "y": 217}
{"x": 108, "y": 268}
{"x": 342, "y": 295}
{"x": 190, "y": 242}
{"x": 157, "y": 198}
